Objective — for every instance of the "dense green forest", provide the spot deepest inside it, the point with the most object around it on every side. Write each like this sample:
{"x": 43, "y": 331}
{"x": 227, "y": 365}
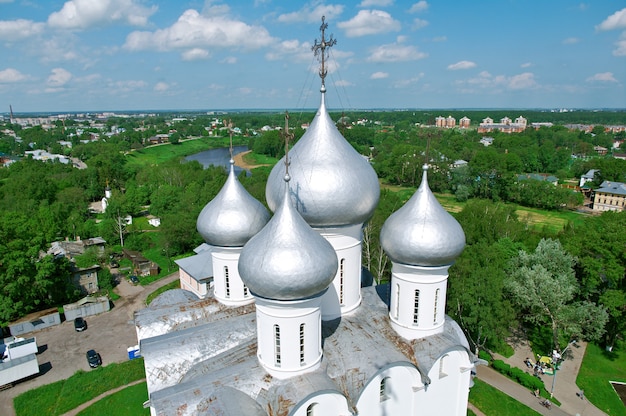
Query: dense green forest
{"x": 41, "y": 202}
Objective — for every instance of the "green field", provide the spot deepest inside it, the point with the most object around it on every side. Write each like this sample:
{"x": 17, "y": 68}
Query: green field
{"x": 492, "y": 402}
{"x": 126, "y": 402}
{"x": 598, "y": 368}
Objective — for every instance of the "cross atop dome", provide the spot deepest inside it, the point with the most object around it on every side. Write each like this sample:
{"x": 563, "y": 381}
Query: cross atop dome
{"x": 287, "y": 136}
{"x": 319, "y": 49}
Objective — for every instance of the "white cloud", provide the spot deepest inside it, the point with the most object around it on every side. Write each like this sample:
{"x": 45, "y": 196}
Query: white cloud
{"x": 161, "y": 87}
{"x": 311, "y": 13}
{"x": 11, "y": 75}
{"x": 420, "y": 6}
{"x": 83, "y": 14}
{"x": 19, "y": 29}
{"x": 343, "y": 83}
{"x": 376, "y": 3}
{"x": 58, "y": 78}
{"x": 120, "y": 87}
{"x": 394, "y": 52}
{"x": 195, "y": 54}
{"x": 570, "y": 41}
{"x": 523, "y": 81}
{"x": 461, "y": 65}
{"x": 526, "y": 65}
{"x": 620, "y": 49}
{"x": 419, "y": 23}
{"x": 615, "y": 21}
{"x": 192, "y": 30}
{"x": 229, "y": 60}
{"x": 369, "y": 22}
{"x": 403, "y": 83}
{"x": 602, "y": 77}
{"x": 295, "y": 50}
{"x": 379, "y": 75}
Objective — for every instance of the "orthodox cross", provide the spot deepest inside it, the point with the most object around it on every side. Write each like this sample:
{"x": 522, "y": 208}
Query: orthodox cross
{"x": 287, "y": 136}
{"x": 229, "y": 125}
{"x": 321, "y": 47}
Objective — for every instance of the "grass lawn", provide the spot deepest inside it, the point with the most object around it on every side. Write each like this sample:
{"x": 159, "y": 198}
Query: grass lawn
{"x": 492, "y": 402}
{"x": 64, "y": 395}
{"x": 155, "y": 155}
{"x": 598, "y": 368}
{"x": 127, "y": 402}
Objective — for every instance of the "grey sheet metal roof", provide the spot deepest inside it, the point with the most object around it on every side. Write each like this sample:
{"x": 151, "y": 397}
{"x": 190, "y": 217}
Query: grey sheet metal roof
{"x": 199, "y": 266}
{"x": 617, "y": 188}
{"x": 194, "y": 364}
{"x": 165, "y": 314}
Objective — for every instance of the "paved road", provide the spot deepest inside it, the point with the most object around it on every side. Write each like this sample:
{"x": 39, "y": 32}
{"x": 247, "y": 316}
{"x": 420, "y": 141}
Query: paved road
{"x": 565, "y": 388}
{"x": 63, "y": 349}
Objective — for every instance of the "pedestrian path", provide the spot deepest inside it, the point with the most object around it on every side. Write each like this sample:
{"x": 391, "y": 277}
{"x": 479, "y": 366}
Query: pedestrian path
{"x": 564, "y": 387}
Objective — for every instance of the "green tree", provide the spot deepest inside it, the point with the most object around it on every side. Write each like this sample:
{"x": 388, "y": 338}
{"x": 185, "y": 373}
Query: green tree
{"x": 544, "y": 286}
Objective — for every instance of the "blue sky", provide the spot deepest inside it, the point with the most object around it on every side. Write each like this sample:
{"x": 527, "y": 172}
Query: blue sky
{"x": 97, "y": 55}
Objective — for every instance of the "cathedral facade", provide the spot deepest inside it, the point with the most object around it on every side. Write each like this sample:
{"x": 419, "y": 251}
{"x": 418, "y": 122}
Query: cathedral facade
{"x": 285, "y": 324}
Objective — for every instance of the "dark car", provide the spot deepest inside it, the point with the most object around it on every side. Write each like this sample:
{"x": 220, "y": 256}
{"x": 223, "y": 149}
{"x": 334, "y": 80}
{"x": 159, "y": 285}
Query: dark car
{"x": 93, "y": 358}
{"x": 134, "y": 279}
{"x": 80, "y": 324}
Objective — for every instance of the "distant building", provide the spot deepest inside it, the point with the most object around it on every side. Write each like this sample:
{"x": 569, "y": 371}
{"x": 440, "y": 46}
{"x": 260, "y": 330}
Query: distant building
{"x": 587, "y": 177}
{"x": 610, "y": 196}
{"x": 464, "y": 122}
{"x": 505, "y": 125}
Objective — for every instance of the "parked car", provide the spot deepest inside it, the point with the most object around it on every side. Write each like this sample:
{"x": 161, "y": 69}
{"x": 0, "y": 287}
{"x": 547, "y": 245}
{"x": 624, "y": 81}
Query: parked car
{"x": 134, "y": 279}
{"x": 93, "y": 358}
{"x": 80, "y": 324}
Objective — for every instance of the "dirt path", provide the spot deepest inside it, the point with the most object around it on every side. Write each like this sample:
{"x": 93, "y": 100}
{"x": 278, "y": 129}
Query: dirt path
{"x": 240, "y": 162}
{"x": 83, "y": 406}
{"x": 62, "y": 349}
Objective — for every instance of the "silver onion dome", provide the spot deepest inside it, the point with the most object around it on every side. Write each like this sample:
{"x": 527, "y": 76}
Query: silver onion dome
{"x": 287, "y": 260}
{"x": 331, "y": 183}
{"x": 233, "y": 216}
{"x": 422, "y": 232}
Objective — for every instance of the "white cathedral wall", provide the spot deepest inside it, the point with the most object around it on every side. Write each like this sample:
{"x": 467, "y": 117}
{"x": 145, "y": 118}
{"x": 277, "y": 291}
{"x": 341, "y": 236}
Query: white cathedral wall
{"x": 344, "y": 295}
{"x": 229, "y": 290}
{"x": 323, "y": 403}
{"x": 432, "y": 285}
{"x": 448, "y": 392}
{"x": 297, "y": 347}
{"x": 396, "y": 396}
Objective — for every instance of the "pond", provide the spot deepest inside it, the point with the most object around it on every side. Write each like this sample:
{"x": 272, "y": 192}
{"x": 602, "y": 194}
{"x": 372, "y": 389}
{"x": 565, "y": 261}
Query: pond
{"x": 218, "y": 157}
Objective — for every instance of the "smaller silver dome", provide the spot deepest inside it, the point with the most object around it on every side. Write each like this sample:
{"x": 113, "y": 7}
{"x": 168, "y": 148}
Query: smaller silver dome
{"x": 287, "y": 259}
{"x": 422, "y": 232}
{"x": 233, "y": 216}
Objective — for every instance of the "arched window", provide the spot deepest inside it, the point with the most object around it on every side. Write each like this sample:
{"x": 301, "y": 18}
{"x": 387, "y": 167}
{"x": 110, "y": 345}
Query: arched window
{"x": 310, "y": 410}
{"x": 443, "y": 364}
{"x": 397, "y": 306}
{"x": 226, "y": 282}
{"x": 384, "y": 389}
{"x": 301, "y": 344}
{"x": 277, "y": 345}
{"x": 416, "y": 307}
{"x": 341, "y": 277}
{"x": 435, "y": 308}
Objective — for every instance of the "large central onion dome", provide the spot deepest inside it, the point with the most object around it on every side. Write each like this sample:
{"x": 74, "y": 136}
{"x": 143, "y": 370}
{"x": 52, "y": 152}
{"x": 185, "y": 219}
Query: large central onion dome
{"x": 331, "y": 183}
{"x": 233, "y": 216}
{"x": 422, "y": 232}
{"x": 287, "y": 259}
